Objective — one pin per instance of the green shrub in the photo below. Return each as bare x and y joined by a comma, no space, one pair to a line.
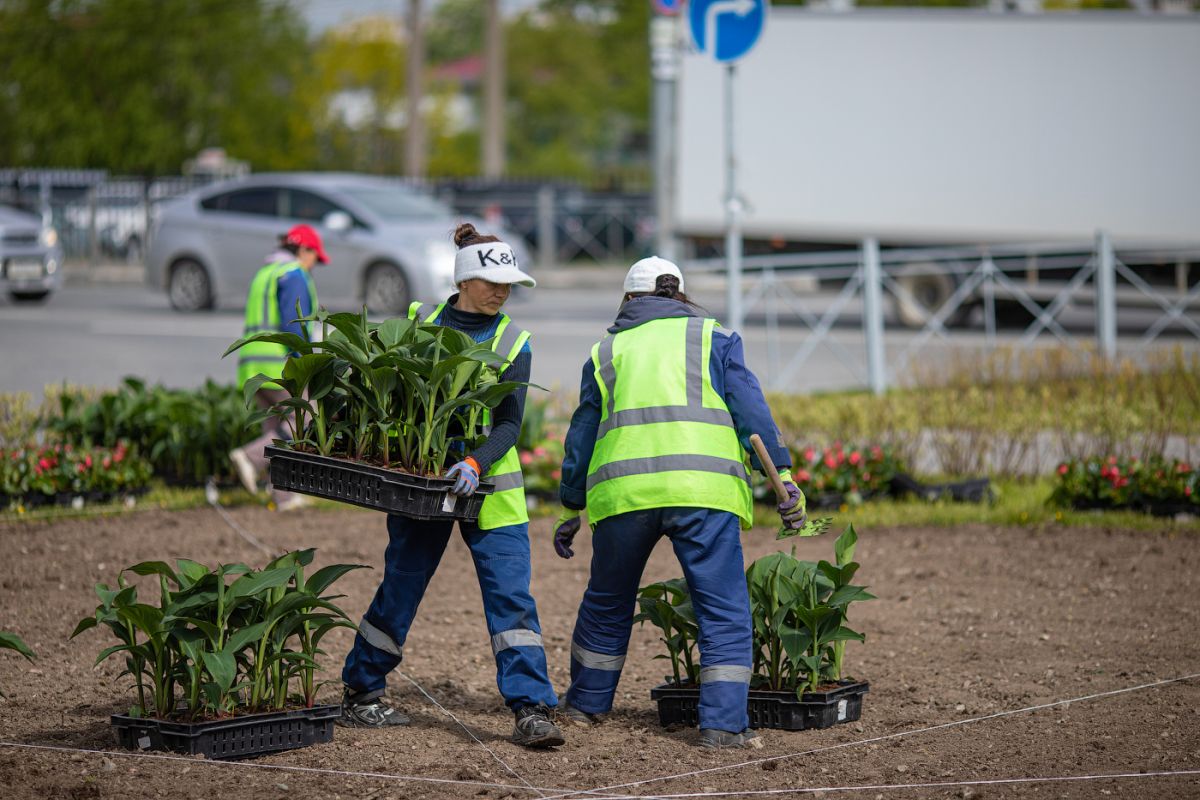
185,434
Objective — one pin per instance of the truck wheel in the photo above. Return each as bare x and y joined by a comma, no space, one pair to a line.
189,287
929,288
385,290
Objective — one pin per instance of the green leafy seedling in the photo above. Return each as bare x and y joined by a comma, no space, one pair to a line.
814,527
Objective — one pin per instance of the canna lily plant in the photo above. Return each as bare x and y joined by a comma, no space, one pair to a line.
668,606
798,610
398,393
230,640
10,641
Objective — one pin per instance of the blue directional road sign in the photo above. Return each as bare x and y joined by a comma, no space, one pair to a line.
669,7
726,29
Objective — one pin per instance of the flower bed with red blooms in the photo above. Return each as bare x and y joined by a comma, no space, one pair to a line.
541,466
1156,485
838,474
33,476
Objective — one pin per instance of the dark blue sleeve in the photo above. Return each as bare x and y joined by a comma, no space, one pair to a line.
734,381
291,289
509,414
580,441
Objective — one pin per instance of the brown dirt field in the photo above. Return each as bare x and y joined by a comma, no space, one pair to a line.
970,622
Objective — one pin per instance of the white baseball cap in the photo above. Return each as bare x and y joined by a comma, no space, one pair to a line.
490,261
643,275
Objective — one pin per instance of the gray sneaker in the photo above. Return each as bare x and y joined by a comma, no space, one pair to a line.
711,737
245,470
360,710
576,716
534,728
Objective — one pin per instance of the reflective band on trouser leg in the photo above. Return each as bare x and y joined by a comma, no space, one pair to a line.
594,678
379,639
517,637
725,673
594,660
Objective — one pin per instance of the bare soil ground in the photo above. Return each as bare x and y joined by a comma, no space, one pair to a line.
970,622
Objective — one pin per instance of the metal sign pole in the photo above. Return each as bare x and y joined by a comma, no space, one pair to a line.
664,68
733,215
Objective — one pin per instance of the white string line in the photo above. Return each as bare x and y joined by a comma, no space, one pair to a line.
213,497
936,785
886,737
254,765
471,733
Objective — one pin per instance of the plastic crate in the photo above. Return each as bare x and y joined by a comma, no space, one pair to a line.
235,737
768,709
372,487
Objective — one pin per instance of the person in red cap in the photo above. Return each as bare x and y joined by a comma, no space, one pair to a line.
281,294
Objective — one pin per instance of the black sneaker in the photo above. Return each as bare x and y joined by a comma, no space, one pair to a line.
534,728
367,710
711,737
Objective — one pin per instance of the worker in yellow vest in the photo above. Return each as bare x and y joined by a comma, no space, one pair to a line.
281,293
657,447
484,270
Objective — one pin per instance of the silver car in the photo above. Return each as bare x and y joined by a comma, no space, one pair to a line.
30,255
388,244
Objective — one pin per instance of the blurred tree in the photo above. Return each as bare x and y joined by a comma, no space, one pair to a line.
579,89
359,72
138,86
454,31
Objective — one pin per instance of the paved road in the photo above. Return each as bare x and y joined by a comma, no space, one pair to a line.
95,334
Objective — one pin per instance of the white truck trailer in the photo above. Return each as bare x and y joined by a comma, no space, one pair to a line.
953,128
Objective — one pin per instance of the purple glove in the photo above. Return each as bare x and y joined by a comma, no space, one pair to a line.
466,477
565,528
793,510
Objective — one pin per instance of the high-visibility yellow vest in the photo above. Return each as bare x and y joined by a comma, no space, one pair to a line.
666,437
263,314
506,504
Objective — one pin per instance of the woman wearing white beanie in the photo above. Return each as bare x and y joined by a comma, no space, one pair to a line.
484,270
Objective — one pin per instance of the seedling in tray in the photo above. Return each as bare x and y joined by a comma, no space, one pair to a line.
222,643
799,613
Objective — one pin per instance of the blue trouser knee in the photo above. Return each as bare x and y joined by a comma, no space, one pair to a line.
501,557
709,548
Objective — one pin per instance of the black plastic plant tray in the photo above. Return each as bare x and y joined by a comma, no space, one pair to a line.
372,487
769,709
235,737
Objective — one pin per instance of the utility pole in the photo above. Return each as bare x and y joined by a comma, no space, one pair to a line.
414,141
664,69
493,92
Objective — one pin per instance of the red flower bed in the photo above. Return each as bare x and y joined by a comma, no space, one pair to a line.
1154,485
844,474
34,475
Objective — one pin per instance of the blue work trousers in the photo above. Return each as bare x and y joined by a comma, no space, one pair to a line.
501,558
708,545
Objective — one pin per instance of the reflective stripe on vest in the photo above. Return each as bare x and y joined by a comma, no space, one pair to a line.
665,437
263,314
506,504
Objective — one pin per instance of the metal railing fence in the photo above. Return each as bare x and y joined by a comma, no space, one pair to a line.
931,290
